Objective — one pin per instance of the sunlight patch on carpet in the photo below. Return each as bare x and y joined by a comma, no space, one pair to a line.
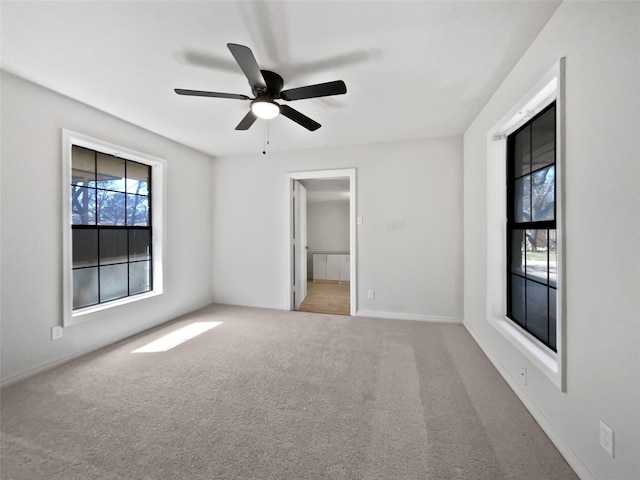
176,338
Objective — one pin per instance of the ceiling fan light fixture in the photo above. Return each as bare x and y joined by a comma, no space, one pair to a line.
265,108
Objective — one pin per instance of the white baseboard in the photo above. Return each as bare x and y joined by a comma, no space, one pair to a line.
23,375
569,455
408,316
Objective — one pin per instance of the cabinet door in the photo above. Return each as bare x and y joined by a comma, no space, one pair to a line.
345,268
319,266
333,267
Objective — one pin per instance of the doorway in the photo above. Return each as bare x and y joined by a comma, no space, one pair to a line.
331,280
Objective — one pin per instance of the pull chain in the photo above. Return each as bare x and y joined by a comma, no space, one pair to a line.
265,139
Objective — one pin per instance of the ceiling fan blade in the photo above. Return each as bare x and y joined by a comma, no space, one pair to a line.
246,60
201,93
247,121
299,118
337,87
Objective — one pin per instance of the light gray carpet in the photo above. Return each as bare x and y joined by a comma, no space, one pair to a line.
277,395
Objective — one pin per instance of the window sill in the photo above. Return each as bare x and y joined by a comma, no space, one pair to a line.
104,309
545,360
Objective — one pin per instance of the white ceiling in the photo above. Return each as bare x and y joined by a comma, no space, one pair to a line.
327,189
413,69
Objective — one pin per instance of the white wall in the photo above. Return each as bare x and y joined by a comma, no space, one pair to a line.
601,42
328,226
31,258
409,246
327,229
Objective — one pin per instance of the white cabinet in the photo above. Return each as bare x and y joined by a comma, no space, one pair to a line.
345,268
319,266
331,267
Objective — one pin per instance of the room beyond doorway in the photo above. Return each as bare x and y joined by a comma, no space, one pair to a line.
339,255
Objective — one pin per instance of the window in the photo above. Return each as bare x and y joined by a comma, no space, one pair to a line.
113,242
111,227
525,248
531,227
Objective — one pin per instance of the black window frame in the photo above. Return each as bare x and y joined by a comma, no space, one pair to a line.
99,228
549,225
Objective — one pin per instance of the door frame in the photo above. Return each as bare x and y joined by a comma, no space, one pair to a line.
349,173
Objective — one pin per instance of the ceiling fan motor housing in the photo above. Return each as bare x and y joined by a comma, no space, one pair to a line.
274,85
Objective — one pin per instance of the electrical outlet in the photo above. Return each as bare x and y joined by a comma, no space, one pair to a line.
606,438
56,332
523,375
371,294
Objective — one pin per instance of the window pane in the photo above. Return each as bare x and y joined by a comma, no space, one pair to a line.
552,318
139,245
139,277
110,172
137,211
522,200
517,251
531,211
111,208
85,247
537,252
553,259
113,246
544,190
83,206
85,287
522,157
517,299
537,310
111,234
138,178
83,166
113,282
543,133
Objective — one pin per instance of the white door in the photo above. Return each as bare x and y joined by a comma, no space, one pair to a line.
299,243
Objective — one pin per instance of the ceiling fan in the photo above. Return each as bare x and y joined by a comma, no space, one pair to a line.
266,87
